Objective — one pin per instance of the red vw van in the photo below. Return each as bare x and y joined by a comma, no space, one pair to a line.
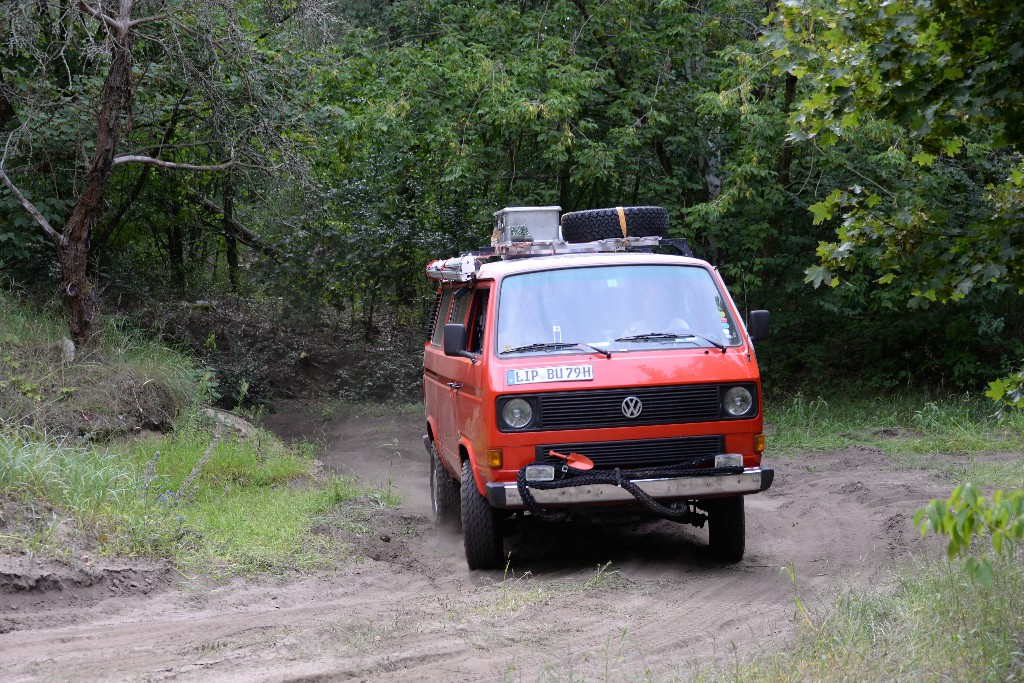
570,369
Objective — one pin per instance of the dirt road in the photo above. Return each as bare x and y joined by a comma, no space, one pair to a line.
583,602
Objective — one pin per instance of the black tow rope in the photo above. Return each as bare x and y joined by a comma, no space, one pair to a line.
622,479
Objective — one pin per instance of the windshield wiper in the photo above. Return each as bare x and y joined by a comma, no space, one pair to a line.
552,346
597,349
540,346
651,336
655,335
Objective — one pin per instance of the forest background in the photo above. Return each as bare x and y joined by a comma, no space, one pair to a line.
853,168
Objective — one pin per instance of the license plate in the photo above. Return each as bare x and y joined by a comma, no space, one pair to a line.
558,373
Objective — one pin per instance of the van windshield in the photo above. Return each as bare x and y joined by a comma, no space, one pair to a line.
623,307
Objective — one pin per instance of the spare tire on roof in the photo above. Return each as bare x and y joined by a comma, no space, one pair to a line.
600,224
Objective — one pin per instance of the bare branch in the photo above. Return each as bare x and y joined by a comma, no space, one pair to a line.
243,233
141,159
232,163
39,218
101,236
96,14
145,20
57,238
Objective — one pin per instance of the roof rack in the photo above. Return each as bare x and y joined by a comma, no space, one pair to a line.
464,267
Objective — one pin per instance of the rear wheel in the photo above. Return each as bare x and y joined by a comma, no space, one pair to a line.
481,531
726,528
444,492
600,224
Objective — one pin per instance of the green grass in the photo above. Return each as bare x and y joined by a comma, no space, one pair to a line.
69,486
97,489
261,460
913,423
252,530
937,625
120,382
250,507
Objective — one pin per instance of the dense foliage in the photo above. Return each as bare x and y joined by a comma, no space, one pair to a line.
360,139
943,79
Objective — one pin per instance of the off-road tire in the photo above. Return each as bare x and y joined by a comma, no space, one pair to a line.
599,224
481,531
444,492
726,528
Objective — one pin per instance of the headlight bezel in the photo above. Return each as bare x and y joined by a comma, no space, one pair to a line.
503,409
728,393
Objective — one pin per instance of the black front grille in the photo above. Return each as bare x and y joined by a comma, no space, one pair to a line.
603,408
642,453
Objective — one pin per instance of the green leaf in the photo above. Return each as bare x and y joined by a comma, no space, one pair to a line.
923,159
818,275
997,389
822,212
983,573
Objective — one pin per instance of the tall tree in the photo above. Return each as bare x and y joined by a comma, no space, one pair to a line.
220,96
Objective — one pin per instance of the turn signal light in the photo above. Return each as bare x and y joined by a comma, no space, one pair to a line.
493,457
759,443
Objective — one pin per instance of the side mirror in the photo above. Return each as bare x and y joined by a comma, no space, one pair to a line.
454,342
758,324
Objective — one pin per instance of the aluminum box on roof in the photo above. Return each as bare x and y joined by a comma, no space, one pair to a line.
515,224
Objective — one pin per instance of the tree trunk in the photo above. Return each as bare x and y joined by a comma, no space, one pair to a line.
786,158
81,300
229,231
7,112
771,245
564,176
176,251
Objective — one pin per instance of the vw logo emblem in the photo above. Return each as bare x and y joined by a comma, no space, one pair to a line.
632,407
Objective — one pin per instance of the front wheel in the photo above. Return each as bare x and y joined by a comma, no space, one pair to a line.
481,531
444,492
726,528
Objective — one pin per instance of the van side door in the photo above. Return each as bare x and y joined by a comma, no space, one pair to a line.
470,416
447,379
436,392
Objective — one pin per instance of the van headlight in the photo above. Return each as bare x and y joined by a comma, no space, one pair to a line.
517,413
737,401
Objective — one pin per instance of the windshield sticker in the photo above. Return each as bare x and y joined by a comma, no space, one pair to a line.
560,373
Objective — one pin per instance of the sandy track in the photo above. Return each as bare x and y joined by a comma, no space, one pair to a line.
661,606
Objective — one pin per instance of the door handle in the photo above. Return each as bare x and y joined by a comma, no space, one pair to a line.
454,386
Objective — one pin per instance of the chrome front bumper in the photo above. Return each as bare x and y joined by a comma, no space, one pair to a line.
751,480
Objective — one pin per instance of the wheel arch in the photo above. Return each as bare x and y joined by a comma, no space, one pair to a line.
431,430
466,452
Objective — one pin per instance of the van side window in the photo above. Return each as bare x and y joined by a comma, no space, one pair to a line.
478,319
432,320
460,306
441,317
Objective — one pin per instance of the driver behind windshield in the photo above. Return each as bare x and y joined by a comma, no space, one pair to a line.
521,320
656,315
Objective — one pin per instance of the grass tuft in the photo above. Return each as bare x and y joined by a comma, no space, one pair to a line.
118,384
938,625
97,491
216,506
909,423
